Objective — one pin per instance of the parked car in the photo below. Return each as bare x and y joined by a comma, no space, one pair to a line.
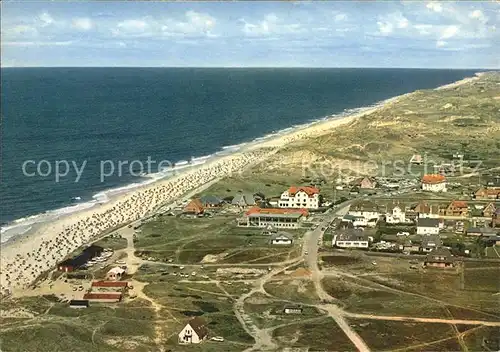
217,338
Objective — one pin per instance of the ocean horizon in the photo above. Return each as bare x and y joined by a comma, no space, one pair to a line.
181,115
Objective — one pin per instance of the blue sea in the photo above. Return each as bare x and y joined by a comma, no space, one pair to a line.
94,115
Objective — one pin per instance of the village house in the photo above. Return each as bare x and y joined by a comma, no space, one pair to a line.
365,183
430,242
350,238
416,159
366,209
426,210
279,218
395,215
489,210
115,274
427,226
79,303
282,238
243,199
195,331
211,201
300,197
457,208
487,193
292,310
194,207
434,183
357,221
439,258
409,247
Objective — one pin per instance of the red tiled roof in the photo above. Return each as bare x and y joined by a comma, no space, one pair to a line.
459,204
109,284
433,178
257,210
309,190
194,206
101,295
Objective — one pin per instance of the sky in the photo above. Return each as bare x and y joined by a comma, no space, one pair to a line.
251,34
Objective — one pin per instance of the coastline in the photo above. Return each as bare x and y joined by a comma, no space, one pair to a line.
462,81
26,256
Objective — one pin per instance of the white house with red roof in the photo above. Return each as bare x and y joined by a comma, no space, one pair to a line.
300,197
434,183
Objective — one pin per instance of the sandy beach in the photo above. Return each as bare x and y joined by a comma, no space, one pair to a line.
462,81
24,258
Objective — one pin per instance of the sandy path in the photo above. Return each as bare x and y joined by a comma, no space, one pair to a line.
311,243
133,263
422,320
263,337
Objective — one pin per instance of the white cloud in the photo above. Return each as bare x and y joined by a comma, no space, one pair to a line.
440,43
479,16
131,27
340,17
434,6
389,23
193,24
196,23
449,32
83,24
46,19
385,27
270,25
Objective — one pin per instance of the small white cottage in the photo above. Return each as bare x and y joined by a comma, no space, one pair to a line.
282,238
195,331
